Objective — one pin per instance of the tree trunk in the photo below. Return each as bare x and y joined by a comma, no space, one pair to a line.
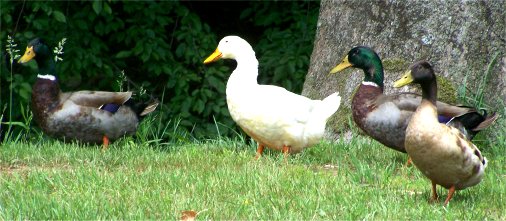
464,40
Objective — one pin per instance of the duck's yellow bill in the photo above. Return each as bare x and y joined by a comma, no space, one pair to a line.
406,79
29,55
343,65
216,55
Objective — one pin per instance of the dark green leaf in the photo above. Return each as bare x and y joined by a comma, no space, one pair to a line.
7,18
107,8
123,54
97,6
59,16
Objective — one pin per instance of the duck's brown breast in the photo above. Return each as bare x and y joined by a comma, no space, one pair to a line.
45,100
383,122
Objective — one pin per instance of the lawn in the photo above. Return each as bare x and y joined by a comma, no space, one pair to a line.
354,179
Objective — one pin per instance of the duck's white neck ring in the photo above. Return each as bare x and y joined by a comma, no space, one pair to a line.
369,83
47,76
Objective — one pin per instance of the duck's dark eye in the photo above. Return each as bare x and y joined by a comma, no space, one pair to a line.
355,53
226,41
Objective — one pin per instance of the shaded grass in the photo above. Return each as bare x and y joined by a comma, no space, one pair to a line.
359,179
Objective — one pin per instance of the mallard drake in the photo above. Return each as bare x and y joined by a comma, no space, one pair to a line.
441,152
385,117
271,115
88,116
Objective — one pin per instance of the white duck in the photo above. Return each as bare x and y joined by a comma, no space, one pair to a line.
271,115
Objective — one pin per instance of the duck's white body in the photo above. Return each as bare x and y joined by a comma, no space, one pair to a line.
271,115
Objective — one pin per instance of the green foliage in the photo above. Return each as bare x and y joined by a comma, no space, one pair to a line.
160,47
476,98
285,46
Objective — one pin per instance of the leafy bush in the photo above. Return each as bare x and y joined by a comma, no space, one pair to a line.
160,47
285,47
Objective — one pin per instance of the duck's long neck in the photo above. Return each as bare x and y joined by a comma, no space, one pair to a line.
374,73
46,66
246,72
429,91
45,98
46,91
426,113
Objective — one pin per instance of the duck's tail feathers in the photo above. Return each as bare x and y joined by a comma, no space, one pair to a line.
328,106
487,122
142,109
484,162
473,122
149,108
320,114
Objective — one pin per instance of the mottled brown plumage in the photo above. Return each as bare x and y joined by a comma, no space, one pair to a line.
42,106
367,100
79,115
440,152
385,117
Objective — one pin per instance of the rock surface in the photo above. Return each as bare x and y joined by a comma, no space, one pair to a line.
464,40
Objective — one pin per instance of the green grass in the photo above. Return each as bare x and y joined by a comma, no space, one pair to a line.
358,179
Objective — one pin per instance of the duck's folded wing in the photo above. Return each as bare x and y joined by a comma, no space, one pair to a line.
283,104
96,98
403,101
449,110
465,146
286,104
410,101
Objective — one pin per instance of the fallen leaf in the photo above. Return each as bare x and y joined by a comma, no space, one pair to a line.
188,215
330,167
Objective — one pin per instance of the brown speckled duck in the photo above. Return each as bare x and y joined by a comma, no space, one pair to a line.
441,152
88,116
385,117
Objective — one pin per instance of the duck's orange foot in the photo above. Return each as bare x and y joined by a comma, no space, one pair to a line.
409,162
105,141
286,150
260,150
435,197
450,195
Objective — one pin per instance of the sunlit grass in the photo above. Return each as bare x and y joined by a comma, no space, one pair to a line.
356,179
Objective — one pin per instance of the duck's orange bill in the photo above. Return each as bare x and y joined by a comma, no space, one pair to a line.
406,79
216,55
343,65
29,55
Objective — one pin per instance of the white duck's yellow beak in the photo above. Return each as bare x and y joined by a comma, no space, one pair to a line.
216,55
29,55
343,65
406,79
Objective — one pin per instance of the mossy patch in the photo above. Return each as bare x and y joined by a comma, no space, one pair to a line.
395,64
446,91
341,121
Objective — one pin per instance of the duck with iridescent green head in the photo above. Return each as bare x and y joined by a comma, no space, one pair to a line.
88,116
384,117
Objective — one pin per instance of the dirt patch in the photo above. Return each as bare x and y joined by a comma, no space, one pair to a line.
21,168
327,168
